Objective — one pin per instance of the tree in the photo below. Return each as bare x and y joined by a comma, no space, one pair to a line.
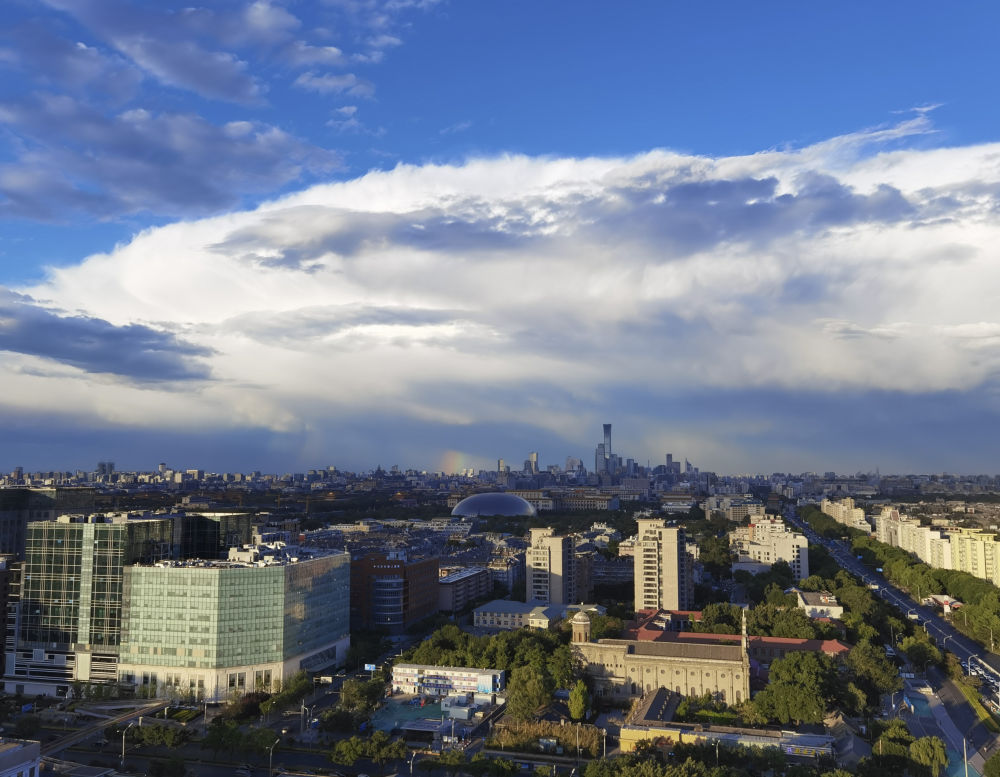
223,735
451,761
528,690
992,766
720,618
921,652
785,703
258,740
579,701
799,686
873,671
929,752
347,751
380,749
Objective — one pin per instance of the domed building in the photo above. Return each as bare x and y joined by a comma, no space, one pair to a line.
493,503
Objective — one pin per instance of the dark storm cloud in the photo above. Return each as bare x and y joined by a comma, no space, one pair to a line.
94,345
676,217
690,216
80,159
461,228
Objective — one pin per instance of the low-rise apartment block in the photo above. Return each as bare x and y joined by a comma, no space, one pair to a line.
463,587
819,604
446,680
769,540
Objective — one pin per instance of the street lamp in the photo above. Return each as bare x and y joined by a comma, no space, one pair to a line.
413,757
270,757
604,734
123,741
304,716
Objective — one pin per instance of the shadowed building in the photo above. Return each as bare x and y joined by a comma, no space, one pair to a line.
19,506
391,593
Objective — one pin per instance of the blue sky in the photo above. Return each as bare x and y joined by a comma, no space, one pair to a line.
289,234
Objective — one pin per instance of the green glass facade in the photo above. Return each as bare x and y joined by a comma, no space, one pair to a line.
203,617
186,625
66,622
71,586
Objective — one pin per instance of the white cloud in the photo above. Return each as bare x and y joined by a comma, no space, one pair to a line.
335,83
461,126
439,287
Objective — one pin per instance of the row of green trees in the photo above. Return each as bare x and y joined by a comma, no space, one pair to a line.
980,615
379,748
225,735
357,701
537,662
896,753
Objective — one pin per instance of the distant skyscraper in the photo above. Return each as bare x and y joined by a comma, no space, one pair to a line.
604,460
533,461
501,466
600,461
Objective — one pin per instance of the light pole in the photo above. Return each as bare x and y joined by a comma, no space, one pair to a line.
604,734
578,741
123,741
270,757
304,716
413,757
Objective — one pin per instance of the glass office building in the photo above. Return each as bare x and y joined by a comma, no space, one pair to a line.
65,615
211,629
64,620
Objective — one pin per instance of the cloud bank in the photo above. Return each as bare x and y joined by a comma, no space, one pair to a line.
663,291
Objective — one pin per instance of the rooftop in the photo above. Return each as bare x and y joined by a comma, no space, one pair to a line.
454,577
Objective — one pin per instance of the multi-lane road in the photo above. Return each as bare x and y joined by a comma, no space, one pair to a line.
973,656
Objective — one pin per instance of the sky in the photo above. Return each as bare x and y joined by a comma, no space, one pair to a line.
283,235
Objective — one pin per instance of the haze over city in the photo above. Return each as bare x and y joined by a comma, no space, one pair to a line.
278,236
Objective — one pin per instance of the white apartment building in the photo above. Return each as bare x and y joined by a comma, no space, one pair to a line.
735,508
555,573
663,567
846,512
976,552
931,545
769,540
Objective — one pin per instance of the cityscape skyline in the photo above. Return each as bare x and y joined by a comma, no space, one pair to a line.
263,235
